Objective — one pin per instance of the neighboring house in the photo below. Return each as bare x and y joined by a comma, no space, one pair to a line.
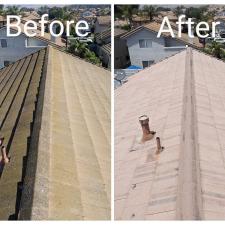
139,20
121,54
2,21
145,48
55,117
103,47
183,96
220,27
14,48
104,54
103,37
102,23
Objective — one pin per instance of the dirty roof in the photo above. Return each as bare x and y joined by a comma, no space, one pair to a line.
18,88
155,26
186,107
66,172
104,35
104,20
107,48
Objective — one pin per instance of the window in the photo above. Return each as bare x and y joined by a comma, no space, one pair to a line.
3,43
147,63
145,43
6,63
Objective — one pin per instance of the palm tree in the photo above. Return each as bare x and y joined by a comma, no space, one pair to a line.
151,11
178,10
81,50
216,49
77,48
127,11
12,10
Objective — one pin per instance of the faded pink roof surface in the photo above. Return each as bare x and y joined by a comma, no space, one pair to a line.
184,97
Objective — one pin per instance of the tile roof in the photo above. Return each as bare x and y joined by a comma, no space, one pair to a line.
103,35
185,105
104,20
66,168
155,26
119,32
18,89
107,48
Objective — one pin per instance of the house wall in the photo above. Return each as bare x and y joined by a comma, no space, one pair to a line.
99,28
157,52
121,54
16,49
221,26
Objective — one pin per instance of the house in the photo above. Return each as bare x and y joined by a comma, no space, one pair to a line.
121,54
145,48
104,54
139,20
2,21
55,117
181,98
220,27
103,37
102,23
14,48
103,47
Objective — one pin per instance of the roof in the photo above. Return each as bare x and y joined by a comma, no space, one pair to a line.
154,27
31,16
185,106
104,35
18,90
119,32
104,20
2,18
107,48
65,169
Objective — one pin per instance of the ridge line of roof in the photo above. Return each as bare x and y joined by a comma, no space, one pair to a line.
188,203
34,200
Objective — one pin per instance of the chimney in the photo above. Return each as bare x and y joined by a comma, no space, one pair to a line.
159,147
147,133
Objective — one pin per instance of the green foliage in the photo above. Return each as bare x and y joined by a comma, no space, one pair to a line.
215,49
126,11
178,10
126,27
151,11
12,10
81,49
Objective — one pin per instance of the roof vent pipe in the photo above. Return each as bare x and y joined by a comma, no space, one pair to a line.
147,133
5,158
159,147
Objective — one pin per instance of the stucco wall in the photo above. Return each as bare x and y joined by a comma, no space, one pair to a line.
120,54
157,52
16,47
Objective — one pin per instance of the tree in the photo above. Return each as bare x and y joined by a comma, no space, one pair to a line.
126,11
216,49
151,11
81,50
12,10
43,10
178,10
